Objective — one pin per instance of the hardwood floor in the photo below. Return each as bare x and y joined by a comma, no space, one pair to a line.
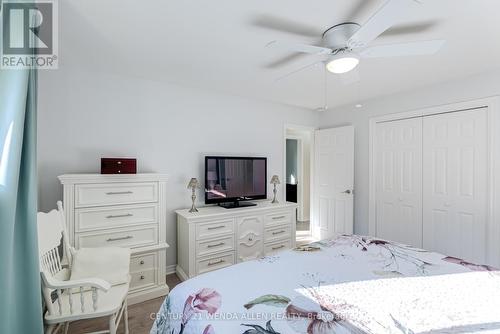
139,316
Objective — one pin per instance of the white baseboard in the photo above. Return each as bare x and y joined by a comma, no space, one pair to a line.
181,274
170,269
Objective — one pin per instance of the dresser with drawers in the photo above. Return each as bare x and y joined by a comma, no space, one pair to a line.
215,237
125,211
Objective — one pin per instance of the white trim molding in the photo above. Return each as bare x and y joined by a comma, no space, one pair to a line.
311,131
170,269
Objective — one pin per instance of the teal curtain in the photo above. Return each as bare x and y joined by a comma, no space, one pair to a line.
20,297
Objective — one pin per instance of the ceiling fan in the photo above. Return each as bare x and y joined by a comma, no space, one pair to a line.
343,45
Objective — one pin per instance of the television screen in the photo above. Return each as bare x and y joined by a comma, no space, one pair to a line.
230,179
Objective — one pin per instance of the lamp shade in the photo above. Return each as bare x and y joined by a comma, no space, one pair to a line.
275,179
193,183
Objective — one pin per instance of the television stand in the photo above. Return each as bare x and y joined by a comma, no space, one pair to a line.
270,226
236,204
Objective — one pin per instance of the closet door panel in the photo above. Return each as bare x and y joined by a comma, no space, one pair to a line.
455,186
399,181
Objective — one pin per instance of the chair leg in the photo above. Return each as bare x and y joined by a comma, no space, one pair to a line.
125,315
112,324
50,329
66,327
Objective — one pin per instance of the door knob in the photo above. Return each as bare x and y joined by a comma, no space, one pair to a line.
348,191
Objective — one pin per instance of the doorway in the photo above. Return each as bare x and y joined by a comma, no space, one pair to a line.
298,176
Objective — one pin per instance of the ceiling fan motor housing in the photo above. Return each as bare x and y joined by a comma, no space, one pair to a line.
336,37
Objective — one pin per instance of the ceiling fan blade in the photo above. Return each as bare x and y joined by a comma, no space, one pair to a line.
358,10
405,29
286,25
297,47
384,18
403,49
298,70
284,60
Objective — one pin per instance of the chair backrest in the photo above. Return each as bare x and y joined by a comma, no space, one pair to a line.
51,231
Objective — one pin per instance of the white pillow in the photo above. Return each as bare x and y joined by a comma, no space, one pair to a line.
111,264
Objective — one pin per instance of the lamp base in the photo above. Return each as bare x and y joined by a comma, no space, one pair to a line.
193,207
275,199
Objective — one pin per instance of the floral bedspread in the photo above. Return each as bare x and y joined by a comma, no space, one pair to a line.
349,284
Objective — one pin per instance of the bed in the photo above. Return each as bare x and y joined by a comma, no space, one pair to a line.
348,284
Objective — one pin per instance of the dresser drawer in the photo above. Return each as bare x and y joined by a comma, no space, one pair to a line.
115,193
214,228
281,218
249,239
276,247
205,247
120,237
144,261
142,279
277,233
116,216
214,262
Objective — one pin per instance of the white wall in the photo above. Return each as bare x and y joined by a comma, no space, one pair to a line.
84,116
471,88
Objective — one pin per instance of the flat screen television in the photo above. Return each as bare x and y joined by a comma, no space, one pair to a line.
229,181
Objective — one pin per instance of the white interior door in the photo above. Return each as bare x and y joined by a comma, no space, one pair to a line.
455,188
398,166
334,182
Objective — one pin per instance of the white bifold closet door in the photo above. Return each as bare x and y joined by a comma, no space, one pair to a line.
431,182
398,158
455,189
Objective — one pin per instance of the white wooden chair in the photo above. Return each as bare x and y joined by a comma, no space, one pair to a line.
69,300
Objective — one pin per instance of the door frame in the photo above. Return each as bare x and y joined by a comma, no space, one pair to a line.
300,190
300,172
493,109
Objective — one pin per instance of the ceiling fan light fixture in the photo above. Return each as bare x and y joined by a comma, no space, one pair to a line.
343,63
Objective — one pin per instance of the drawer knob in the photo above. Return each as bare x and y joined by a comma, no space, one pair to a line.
119,192
216,262
120,238
119,216
142,262
250,239
278,247
279,217
279,232
142,277
215,227
216,245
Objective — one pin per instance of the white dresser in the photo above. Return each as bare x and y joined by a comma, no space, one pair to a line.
215,237
125,211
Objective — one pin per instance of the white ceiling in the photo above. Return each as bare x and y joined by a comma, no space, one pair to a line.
217,45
